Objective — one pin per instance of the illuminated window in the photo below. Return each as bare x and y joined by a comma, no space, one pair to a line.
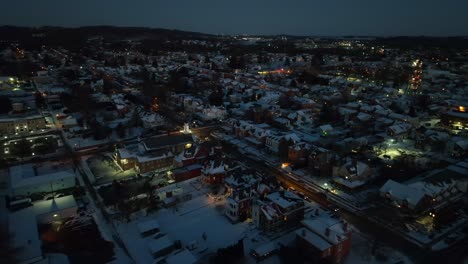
188,145
124,161
461,109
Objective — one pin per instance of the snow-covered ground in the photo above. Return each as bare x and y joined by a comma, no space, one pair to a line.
361,252
186,222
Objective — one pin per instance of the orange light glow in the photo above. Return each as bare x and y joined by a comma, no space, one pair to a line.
461,109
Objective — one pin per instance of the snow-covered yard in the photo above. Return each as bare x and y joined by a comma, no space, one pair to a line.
361,252
186,222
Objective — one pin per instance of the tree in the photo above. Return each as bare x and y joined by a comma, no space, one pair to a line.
107,86
7,251
135,120
22,148
39,99
423,101
328,113
283,148
412,112
121,130
229,255
100,131
41,149
284,101
216,98
5,104
237,62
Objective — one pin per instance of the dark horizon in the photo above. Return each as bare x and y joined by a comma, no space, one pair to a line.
237,35
303,18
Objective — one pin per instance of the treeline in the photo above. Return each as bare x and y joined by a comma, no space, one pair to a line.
74,38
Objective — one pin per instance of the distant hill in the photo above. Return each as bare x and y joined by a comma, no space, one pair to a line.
70,37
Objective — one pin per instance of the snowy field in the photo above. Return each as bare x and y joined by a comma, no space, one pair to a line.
186,222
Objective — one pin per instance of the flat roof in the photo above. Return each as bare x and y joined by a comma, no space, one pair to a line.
23,224
147,226
183,256
167,140
24,175
313,239
157,245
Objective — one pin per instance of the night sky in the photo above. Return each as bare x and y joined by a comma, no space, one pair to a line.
298,17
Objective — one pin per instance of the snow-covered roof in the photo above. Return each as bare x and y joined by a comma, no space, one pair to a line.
326,128
23,224
264,249
148,225
183,256
402,192
313,239
330,229
157,245
21,176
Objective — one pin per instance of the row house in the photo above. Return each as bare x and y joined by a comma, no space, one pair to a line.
298,153
324,239
321,161
242,188
278,211
214,172
420,197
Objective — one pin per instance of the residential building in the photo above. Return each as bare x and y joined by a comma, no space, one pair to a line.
324,239
278,211
241,188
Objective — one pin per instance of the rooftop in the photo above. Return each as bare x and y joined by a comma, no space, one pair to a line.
163,141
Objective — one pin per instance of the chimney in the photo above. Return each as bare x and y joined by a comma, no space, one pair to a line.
327,231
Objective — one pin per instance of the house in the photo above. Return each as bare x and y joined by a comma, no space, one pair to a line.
399,131
460,149
193,154
457,117
421,196
326,130
323,238
277,211
241,188
298,153
272,143
214,172
352,173
322,161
